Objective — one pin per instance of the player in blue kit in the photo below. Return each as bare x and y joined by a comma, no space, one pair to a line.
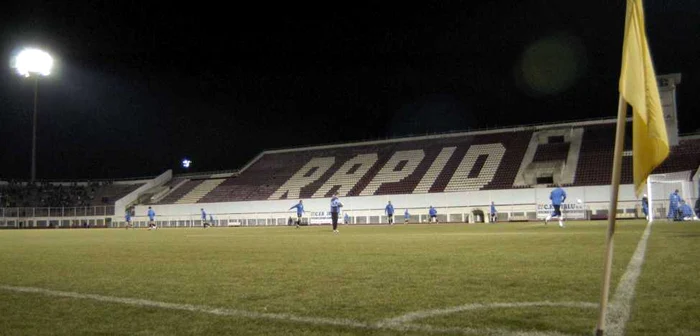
300,212
432,212
151,219
558,196
204,219
674,201
127,217
389,211
645,206
336,204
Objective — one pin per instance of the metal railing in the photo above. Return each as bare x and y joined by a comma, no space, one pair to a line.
103,216
85,211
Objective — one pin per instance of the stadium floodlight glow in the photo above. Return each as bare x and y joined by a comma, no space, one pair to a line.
32,61
186,163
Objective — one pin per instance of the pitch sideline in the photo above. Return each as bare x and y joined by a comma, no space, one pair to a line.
620,306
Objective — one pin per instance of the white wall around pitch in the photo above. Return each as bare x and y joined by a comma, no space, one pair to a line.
595,197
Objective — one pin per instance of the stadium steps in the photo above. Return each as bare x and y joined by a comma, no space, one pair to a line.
160,192
200,191
173,191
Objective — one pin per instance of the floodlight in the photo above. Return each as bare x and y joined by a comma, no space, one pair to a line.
28,62
33,61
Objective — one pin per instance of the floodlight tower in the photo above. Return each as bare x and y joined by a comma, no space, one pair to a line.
34,63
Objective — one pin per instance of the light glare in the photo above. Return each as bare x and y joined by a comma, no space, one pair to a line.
33,61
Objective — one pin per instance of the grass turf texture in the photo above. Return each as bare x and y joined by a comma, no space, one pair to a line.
365,274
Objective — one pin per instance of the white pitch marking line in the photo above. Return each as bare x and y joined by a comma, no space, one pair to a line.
466,331
188,307
621,304
618,310
282,317
475,306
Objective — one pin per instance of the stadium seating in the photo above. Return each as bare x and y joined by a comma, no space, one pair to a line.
181,191
683,157
64,194
109,193
596,157
455,162
551,152
379,169
484,160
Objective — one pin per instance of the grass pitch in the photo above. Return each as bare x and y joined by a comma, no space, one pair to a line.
524,278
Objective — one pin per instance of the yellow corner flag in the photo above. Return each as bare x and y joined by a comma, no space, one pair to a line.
638,87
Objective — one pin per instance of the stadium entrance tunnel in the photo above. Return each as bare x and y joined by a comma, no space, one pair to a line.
478,216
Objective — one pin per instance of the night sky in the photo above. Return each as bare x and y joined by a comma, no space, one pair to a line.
140,86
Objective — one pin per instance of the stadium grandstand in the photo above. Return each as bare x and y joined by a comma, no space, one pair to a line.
459,174
62,203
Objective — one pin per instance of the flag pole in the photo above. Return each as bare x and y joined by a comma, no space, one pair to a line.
612,210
